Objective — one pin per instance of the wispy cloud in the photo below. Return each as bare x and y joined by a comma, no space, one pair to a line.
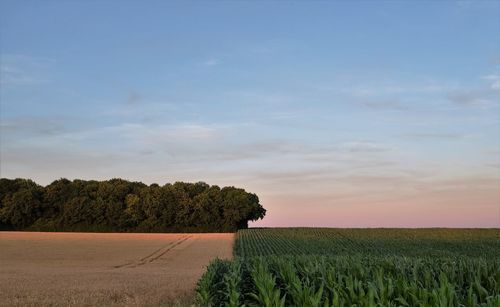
364,147
30,126
494,165
393,88
21,70
484,98
211,62
495,81
154,134
439,136
133,98
384,105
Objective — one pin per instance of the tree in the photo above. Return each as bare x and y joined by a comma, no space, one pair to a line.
21,206
120,205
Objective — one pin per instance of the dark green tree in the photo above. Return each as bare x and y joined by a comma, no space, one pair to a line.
120,205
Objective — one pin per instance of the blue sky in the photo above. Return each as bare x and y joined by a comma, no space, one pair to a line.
343,113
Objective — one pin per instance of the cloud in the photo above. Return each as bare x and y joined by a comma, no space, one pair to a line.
442,136
495,81
493,165
133,134
211,62
10,75
191,131
384,105
133,98
60,152
376,89
32,161
22,70
38,133
176,146
471,182
367,147
30,126
478,98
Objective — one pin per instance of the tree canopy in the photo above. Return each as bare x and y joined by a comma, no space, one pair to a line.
119,205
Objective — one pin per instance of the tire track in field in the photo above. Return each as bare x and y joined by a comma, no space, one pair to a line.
155,255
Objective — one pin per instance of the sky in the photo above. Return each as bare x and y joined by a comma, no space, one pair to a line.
336,114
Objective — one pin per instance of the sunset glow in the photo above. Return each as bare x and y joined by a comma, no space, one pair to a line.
336,114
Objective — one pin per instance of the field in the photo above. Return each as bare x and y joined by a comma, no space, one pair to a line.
357,267
382,242
104,269
272,267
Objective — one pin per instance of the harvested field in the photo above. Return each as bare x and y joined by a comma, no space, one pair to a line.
106,269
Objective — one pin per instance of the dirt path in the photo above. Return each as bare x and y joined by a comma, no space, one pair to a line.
89,269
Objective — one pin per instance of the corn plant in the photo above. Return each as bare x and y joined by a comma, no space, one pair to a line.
265,283
352,267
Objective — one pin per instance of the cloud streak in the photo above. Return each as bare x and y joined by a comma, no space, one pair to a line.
475,98
24,70
211,62
495,81
436,136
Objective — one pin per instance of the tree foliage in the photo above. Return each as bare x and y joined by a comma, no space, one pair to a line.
124,206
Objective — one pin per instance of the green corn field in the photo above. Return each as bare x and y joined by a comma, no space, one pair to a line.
357,267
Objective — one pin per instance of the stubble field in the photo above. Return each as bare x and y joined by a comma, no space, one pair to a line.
104,269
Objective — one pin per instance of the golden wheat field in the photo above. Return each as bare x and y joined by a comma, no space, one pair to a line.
104,269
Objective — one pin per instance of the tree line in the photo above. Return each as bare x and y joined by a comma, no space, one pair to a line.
119,205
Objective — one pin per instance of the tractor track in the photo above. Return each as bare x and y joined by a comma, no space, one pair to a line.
154,255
